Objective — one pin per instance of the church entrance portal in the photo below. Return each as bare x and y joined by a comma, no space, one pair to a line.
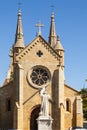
34,116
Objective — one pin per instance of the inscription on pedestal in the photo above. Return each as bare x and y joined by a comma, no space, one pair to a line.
44,123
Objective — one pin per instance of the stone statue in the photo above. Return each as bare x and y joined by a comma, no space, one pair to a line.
44,102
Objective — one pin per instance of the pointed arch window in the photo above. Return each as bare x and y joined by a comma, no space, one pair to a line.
8,104
68,105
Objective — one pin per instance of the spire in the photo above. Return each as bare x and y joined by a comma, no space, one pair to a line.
19,37
52,34
60,50
58,45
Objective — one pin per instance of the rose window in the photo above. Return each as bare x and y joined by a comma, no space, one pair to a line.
39,76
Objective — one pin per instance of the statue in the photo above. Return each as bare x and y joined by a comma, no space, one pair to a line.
44,102
44,120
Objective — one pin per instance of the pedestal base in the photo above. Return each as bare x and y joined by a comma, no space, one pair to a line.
44,123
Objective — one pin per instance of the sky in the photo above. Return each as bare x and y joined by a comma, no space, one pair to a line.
71,26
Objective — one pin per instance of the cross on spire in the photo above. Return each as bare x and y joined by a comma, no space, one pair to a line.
19,4
39,25
52,7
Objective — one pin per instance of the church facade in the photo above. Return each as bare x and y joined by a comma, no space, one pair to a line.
39,64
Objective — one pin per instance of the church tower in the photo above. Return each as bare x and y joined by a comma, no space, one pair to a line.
18,46
58,77
57,46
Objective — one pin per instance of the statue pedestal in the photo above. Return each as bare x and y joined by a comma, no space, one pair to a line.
44,123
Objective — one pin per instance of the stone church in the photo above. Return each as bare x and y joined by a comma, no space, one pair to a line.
32,67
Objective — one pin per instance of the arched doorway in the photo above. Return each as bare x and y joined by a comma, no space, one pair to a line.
34,116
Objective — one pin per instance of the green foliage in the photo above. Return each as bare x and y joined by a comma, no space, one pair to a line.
83,92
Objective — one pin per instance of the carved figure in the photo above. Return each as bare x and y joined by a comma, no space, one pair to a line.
44,102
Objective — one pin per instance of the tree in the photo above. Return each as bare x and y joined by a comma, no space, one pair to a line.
83,93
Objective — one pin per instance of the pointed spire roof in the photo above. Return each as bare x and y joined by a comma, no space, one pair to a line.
52,34
19,37
58,45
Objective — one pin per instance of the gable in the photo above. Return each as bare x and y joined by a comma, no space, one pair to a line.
69,92
38,47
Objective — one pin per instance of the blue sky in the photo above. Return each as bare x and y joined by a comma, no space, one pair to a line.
71,26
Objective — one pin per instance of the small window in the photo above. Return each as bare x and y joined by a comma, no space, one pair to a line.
68,105
8,105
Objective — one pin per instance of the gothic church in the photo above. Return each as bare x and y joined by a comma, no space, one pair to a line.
32,67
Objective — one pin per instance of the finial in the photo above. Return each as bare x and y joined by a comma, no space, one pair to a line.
19,5
58,38
39,25
52,8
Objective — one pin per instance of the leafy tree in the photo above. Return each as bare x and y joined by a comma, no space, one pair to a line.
83,93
